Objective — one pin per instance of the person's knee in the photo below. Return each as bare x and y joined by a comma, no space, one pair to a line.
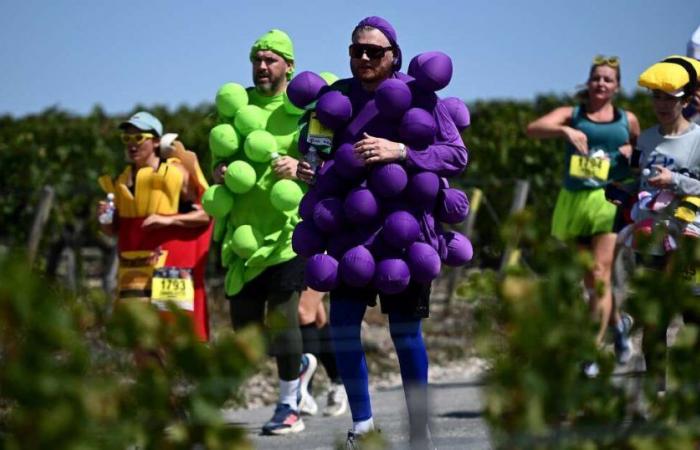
307,313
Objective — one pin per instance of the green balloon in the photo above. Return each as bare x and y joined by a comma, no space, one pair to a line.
260,145
217,201
290,108
223,141
329,77
250,118
285,195
230,98
240,177
245,241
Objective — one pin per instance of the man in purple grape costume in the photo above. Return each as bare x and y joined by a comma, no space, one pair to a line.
404,231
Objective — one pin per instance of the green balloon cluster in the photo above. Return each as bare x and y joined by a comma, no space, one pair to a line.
223,141
260,145
240,177
246,241
285,195
230,98
217,201
250,118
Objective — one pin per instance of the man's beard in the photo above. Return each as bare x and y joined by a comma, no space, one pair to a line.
268,87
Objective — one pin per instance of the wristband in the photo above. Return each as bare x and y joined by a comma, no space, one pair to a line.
402,151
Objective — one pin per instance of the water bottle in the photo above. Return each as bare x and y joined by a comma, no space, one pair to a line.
313,159
107,217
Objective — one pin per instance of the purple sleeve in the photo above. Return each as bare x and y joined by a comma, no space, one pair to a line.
447,157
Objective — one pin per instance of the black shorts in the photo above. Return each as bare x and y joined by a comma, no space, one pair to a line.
414,301
284,277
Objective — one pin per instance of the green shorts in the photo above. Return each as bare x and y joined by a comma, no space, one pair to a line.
582,214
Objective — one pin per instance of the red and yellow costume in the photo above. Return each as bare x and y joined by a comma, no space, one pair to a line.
179,252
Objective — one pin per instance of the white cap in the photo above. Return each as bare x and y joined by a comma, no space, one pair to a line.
694,45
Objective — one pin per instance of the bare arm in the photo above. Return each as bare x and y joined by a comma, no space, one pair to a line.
556,125
195,218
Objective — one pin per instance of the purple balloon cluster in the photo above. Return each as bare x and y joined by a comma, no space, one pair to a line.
371,226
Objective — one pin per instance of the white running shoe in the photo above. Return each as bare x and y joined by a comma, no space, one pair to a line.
337,401
307,404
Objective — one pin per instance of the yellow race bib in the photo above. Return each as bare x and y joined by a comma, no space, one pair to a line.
173,286
584,167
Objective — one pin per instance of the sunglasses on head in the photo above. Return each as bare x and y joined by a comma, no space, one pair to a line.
612,61
136,138
372,51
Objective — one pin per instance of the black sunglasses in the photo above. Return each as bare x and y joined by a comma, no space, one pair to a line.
372,51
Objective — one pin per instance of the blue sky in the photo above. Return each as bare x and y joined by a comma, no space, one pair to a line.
78,53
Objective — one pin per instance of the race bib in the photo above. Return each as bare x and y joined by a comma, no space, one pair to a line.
318,134
172,286
584,167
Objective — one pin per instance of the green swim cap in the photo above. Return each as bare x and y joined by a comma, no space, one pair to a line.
223,141
217,201
285,195
260,145
329,77
277,41
245,241
230,98
240,177
250,118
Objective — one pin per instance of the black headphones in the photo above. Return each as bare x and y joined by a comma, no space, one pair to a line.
692,73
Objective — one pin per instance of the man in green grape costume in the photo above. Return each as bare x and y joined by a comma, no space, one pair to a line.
255,206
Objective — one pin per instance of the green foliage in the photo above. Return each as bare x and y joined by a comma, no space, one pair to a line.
73,377
535,328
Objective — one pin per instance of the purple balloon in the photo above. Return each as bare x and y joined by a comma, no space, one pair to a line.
422,189
357,266
422,98
333,110
432,70
452,206
401,229
328,215
392,276
304,89
347,164
329,183
308,240
458,111
417,128
361,206
393,98
388,180
321,273
339,244
423,261
308,203
459,249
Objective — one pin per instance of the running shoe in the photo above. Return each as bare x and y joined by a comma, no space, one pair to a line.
591,369
284,421
622,340
336,402
307,404
353,441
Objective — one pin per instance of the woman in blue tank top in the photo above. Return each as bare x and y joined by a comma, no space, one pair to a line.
599,140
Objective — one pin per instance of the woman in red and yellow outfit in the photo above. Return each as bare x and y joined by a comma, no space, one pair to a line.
163,232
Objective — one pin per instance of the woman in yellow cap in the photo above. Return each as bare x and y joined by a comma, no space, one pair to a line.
670,163
598,141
